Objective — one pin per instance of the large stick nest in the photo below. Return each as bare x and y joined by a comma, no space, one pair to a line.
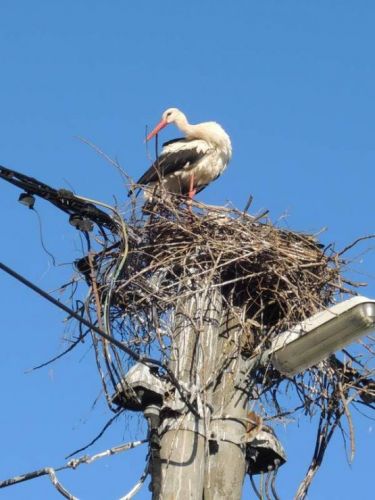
277,277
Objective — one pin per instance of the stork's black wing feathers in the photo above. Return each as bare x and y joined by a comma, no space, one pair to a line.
172,141
171,161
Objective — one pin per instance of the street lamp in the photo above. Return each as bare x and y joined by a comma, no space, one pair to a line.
312,340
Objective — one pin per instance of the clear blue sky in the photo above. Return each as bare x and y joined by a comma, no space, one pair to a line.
291,81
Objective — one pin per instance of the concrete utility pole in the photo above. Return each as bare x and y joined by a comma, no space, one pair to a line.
204,456
201,449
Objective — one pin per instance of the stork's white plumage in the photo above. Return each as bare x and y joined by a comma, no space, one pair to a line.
187,165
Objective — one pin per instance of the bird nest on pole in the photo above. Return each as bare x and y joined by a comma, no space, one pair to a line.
271,278
268,278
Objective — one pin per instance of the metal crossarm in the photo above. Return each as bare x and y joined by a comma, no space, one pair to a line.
63,199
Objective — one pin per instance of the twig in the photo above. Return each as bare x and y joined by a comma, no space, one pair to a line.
122,172
110,421
355,242
70,348
248,204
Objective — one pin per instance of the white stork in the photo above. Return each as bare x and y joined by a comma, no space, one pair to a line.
187,165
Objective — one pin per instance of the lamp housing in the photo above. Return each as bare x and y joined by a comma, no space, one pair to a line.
312,340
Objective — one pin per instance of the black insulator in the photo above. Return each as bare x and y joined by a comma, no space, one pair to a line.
86,225
81,223
75,220
27,199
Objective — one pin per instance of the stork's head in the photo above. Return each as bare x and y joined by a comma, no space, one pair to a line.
170,115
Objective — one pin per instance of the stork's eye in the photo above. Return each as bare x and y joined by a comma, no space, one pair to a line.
169,113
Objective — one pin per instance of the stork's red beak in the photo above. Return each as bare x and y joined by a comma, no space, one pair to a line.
159,126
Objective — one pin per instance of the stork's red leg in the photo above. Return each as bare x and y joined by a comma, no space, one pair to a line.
192,190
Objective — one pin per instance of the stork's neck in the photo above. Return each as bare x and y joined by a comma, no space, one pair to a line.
210,132
182,123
